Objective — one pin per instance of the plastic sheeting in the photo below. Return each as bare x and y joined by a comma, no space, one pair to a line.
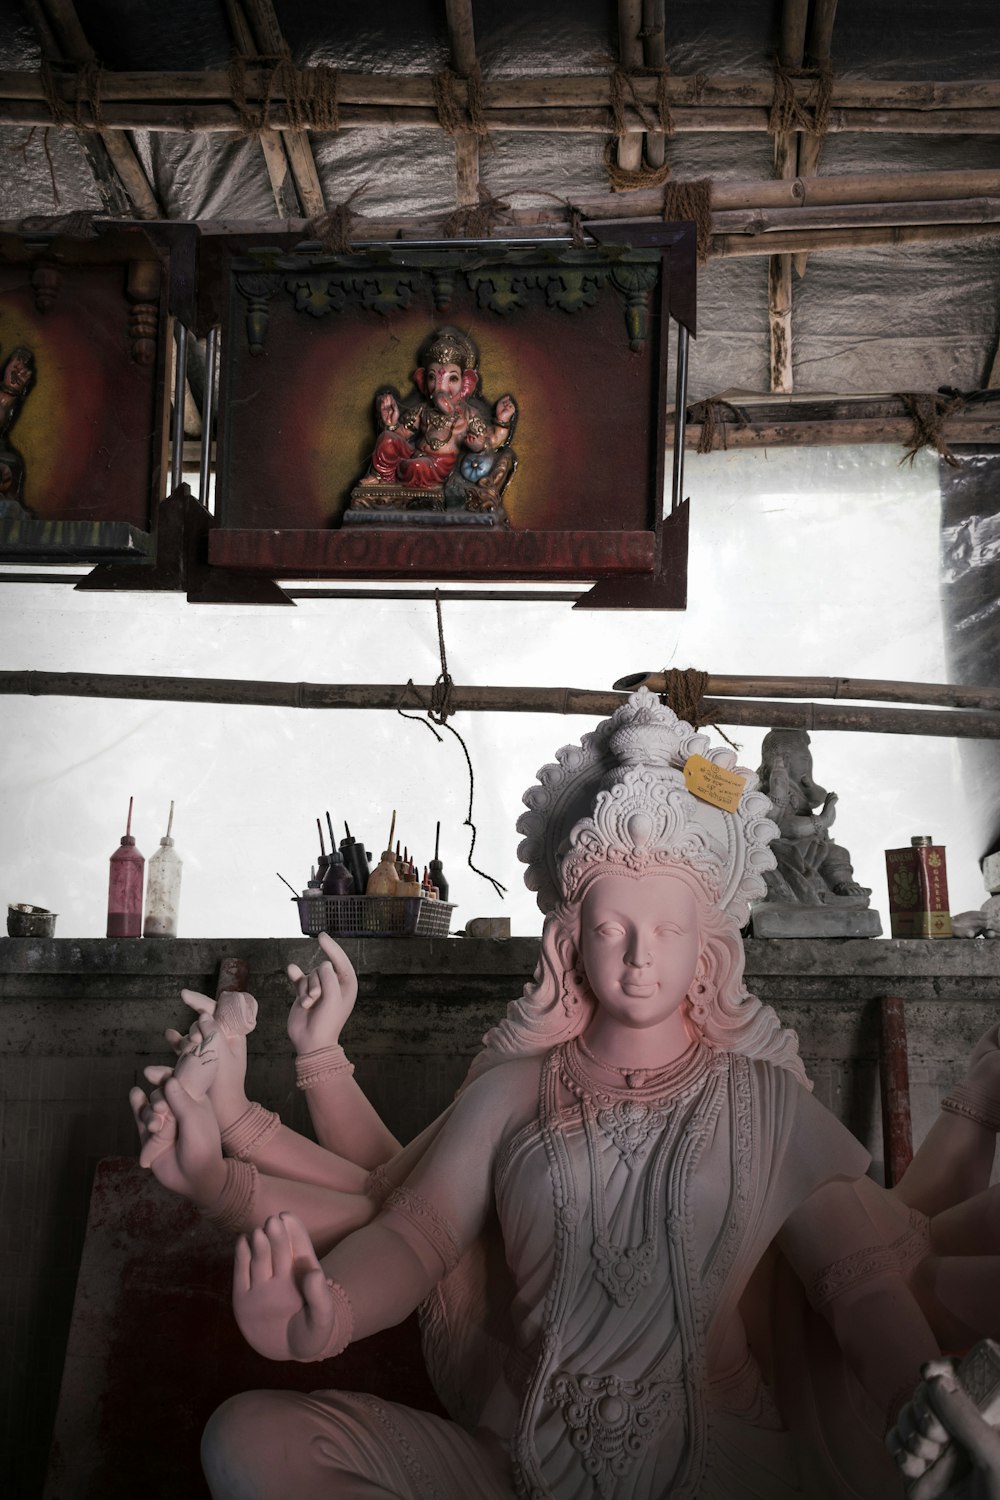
903,319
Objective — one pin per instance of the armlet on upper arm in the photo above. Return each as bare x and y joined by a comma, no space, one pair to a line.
432,1227
873,1263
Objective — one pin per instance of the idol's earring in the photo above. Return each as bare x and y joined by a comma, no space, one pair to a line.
572,992
701,996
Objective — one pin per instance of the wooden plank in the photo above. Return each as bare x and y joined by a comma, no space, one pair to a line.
432,552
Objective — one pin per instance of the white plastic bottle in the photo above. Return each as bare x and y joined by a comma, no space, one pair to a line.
163,887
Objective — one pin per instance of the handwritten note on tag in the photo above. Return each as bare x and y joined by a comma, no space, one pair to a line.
712,784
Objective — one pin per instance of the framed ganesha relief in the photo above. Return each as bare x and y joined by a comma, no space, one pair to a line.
419,412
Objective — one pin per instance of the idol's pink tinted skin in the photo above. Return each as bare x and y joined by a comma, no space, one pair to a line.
639,945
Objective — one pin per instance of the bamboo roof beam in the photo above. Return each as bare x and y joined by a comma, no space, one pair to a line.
462,37
629,148
119,176
794,16
819,433
206,117
819,43
573,92
286,200
654,51
727,246
267,34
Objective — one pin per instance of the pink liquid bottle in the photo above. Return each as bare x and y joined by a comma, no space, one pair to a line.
125,886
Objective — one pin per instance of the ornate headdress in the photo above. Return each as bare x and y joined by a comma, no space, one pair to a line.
448,346
619,800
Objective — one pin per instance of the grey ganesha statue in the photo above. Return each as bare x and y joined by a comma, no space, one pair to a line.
812,891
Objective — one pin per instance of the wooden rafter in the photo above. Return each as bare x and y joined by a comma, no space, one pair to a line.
271,143
630,57
819,44
462,37
794,19
121,181
152,100
269,39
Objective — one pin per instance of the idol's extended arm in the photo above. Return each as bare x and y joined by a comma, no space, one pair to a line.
853,1278
180,1142
942,1444
214,1063
291,1306
956,1158
343,1118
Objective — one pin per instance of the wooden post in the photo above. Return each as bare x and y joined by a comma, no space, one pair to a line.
654,47
818,47
786,165
894,1085
461,32
630,56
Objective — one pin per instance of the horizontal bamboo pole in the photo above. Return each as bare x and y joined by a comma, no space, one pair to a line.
186,115
590,90
729,246
813,716
753,221
818,433
873,689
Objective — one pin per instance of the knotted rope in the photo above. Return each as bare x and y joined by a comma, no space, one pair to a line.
475,221
622,89
438,712
713,422
684,692
333,229
789,112
928,415
691,200
87,77
451,117
310,94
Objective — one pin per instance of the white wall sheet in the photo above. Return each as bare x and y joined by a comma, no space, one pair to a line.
803,562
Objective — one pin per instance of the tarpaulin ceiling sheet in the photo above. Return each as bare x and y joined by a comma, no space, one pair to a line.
907,318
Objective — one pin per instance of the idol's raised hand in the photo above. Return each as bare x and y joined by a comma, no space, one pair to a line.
281,1298
324,998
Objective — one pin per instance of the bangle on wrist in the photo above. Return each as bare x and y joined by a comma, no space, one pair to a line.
233,1208
343,1321
252,1131
315,1067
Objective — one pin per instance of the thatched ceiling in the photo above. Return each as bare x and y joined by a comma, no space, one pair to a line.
901,287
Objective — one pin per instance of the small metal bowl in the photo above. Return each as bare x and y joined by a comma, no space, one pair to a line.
25,921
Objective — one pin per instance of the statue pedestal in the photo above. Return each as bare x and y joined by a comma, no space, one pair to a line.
784,919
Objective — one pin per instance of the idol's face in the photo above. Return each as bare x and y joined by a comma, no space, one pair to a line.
639,944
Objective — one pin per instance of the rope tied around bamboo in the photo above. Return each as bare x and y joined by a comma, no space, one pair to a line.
451,116
691,199
790,113
929,413
476,221
713,423
333,229
622,89
87,78
309,94
684,692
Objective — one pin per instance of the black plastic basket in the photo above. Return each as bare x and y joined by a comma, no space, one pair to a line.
369,916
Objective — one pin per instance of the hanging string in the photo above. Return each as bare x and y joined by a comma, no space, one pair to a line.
333,229
476,221
710,414
438,711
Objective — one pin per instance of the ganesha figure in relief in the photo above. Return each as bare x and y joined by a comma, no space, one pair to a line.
444,450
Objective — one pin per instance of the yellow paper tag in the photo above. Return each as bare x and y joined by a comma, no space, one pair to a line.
713,784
